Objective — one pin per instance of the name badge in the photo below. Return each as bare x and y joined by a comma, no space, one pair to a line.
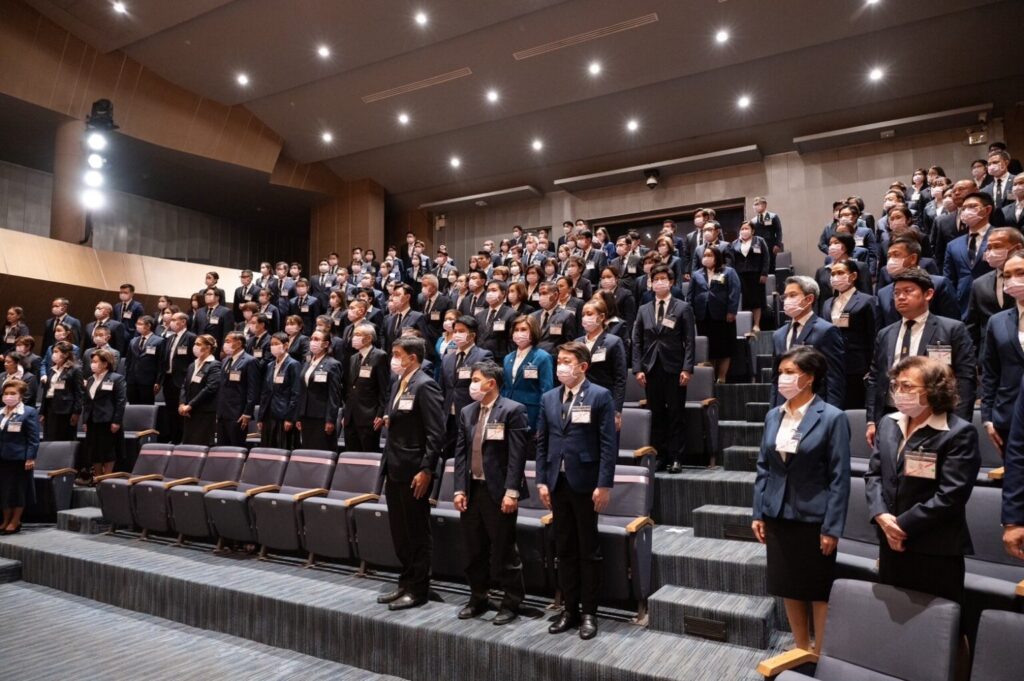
465,374
535,296
405,403
197,377
107,385
555,330
320,377
499,325
215,321
304,308
718,279
756,250
580,414
790,445
248,299
942,354
181,350
531,373
590,264
477,310
14,426
151,350
127,314
495,431
58,385
279,380
435,316
859,241
599,355
235,376
668,323
258,354
579,293
365,371
844,320
920,465
631,269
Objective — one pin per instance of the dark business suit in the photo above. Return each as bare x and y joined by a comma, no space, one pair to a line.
1002,368
561,327
74,326
308,308
239,392
768,226
320,286
393,327
273,315
202,383
945,228
65,403
173,364
432,324
1010,216
823,277
1001,196
983,304
118,334
594,261
927,264
488,534
11,335
99,413
826,339
608,366
960,271
944,302
19,442
319,402
415,418
142,368
1013,460
494,327
259,348
454,386
127,314
217,322
588,450
930,511
948,334
278,403
243,294
367,386
662,351
471,304
858,323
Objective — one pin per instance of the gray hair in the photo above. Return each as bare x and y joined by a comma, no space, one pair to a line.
367,330
806,284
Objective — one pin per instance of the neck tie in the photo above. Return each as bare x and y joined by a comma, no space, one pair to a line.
398,323
999,191
459,359
477,462
544,319
972,249
905,348
227,366
999,289
566,401
490,317
661,311
796,332
426,308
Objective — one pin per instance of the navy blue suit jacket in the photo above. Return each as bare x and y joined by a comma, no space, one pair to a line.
825,338
944,302
504,460
238,397
279,401
1013,462
589,450
24,444
610,372
957,268
859,332
1002,368
528,391
456,390
715,300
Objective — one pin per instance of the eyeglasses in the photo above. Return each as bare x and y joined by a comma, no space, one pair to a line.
904,387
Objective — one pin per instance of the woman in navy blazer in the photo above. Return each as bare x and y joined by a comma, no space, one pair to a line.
607,366
279,398
801,492
14,368
715,296
103,402
198,401
19,444
535,374
62,396
855,314
750,259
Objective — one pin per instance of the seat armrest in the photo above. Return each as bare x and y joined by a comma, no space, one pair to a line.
317,492
1020,588
996,473
60,471
642,403
644,451
361,499
261,489
180,481
638,524
110,476
219,485
143,478
709,402
547,519
790,659
144,433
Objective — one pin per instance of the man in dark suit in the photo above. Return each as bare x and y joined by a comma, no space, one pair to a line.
1013,210
806,328
949,225
987,295
258,344
965,256
576,454
594,259
143,363
1013,483
415,420
556,326
305,306
267,308
663,356
246,293
212,280
768,226
402,315
432,306
905,253
495,322
174,363
127,310
474,300
213,319
239,392
367,382
456,374
490,457
566,231
1000,189
919,333
322,282
319,399
59,309
104,318
627,263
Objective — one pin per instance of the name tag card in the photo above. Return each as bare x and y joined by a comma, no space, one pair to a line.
279,380
844,320
107,385
435,316
920,465
127,314
756,250
499,325
859,241
215,321
555,330
942,354
248,299
790,445
631,269
590,264
718,279
579,293
151,350
495,431
258,354
235,376
197,377
465,374
365,371
320,377
531,373
599,355
405,403
14,426
580,414
304,309
58,385
668,323
181,350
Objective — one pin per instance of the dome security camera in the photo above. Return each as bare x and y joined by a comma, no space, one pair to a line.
651,178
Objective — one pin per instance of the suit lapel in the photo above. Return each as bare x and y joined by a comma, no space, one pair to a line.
926,336
1012,326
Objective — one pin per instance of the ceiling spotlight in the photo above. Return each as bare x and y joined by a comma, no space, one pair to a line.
119,7
537,145
872,2
323,51
96,141
327,137
421,18
403,118
722,36
93,178
594,68
743,102
242,79
455,161
492,96
632,125
93,199
876,74
95,161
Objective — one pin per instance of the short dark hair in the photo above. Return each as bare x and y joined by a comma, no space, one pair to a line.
216,277
808,360
912,245
915,275
411,346
146,321
939,381
490,369
847,241
130,287
468,322
577,350
663,269
985,198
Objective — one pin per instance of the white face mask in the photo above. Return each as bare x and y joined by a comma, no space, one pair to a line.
793,307
291,329
324,268
352,315
397,367
460,338
196,351
521,338
566,374
661,287
846,220
607,284
1014,288
315,346
840,282
995,257
476,391
357,342
99,314
970,216
908,404
590,322
894,266
835,251
448,324
789,385
277,350
708,262
12,400
493,297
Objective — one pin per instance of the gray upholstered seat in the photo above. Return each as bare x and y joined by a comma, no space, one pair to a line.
626,533
990,457
860,452
997,651
139,428
449,560
858,547
327,521
535,552
701,415
54,479
635,439
114,489
149,496
222,466
228,509
992,575
277,515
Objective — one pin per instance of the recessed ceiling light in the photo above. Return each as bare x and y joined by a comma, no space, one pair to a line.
421,18
403,118
537,145
242,79
120,8
455,161
93,199
743,102
722,36
96,141
876,74
872,2
95,161
632,125
492,96
93,178
323,51
327,137
594,68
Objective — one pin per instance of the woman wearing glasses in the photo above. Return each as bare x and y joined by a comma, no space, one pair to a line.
920,476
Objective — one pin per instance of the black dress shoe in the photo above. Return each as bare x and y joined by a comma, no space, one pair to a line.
391,596
473,609
588,627
564,623
407,601
504,616
675,468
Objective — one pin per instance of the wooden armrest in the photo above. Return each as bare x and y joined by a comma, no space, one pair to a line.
261,489
219,485
638,524
144,433
547,519
61,471
644,451
361,499
704,364
708,402
142,478
317,492
1020,588
642,403
180,481
110,476
774,666
996,473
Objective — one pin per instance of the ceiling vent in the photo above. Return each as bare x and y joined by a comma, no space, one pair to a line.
418,85
581,38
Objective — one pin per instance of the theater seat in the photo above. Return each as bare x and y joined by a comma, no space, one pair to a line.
860,451
114,489
858,547
626,533
449,557
992,575
991,459
149,494
54,480
635,439
877,632
277,514
327,527
221,467
701,417
532,539
139,427
636,396
700,349
997,651
227,504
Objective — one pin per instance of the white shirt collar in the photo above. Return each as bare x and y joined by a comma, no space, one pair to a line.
935,421
918,321
806,318
787,410
20,409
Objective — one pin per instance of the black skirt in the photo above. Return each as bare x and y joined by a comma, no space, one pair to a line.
721,337
274,435
102,446
796,567
751,290
199,427
16,487
57,427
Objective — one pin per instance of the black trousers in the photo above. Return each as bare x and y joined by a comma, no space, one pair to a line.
274,435
856,392
667,401
941,576
140,393
175,422
199,428
577,547
314,437
491,553
409,519
230,432
451,435
361,438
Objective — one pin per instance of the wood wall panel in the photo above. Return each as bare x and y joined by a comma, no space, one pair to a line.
354,217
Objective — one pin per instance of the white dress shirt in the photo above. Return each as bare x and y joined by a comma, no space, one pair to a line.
790,424
916,332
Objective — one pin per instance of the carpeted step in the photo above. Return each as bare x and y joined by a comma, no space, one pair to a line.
763,343
86,520
681,559
730,618
757,411
738,458
10,570
766,375
764,362
676,496
723,522
742,433
733,398
84,497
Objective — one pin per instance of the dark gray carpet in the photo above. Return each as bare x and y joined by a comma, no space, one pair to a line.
52,635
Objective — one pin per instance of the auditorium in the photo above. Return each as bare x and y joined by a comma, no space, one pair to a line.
659,340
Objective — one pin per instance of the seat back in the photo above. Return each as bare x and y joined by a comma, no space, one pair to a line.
139,417
769,289
636,429
309,469
859,448
904,634
264,466
55,455
634,391
223,463
744,322
357,472
153,459
186,462
447,490
997,651
530,473
983,512
702,384
858,525
700,349
990,457
784,260
633,493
